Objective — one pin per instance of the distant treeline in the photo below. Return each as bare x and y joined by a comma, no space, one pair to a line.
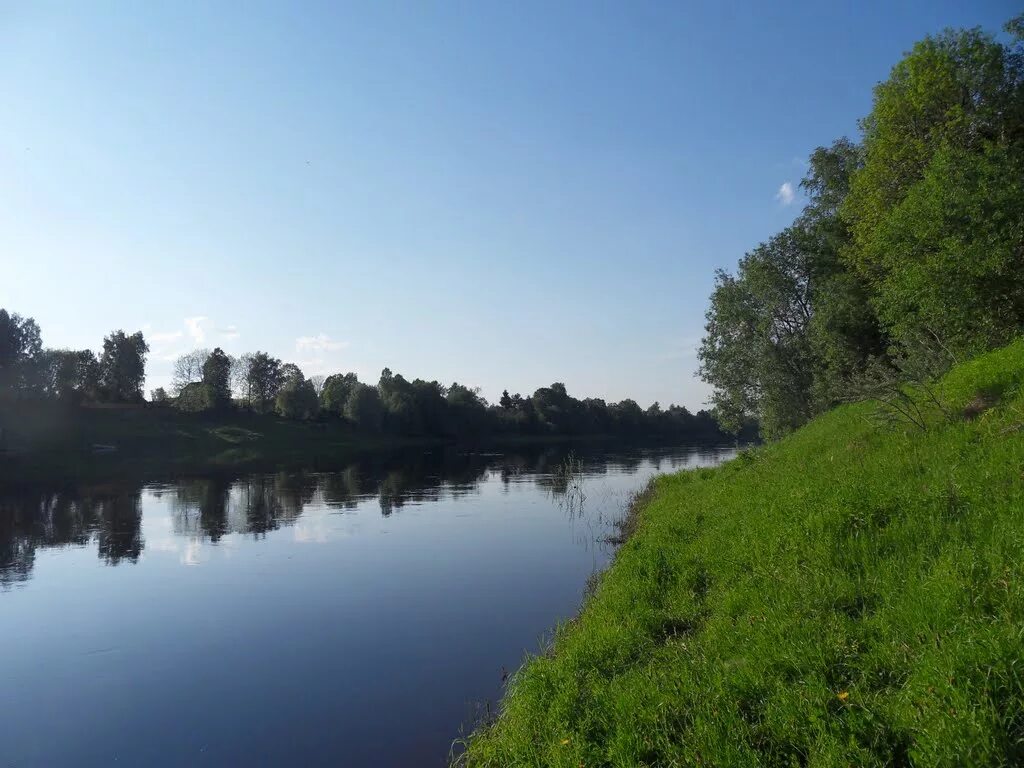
908,255
211,381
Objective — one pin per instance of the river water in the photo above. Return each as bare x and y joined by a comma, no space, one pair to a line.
361,617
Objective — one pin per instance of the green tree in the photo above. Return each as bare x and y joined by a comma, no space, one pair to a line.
844,329
399,401
263,379
122,366
296,399
335,392
70,375
196,397
364,407
935,211
466,410
20,348
217,378
756,351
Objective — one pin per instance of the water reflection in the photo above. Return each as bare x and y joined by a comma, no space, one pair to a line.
209,508
431,573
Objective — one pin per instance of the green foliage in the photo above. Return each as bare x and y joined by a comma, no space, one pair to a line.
756,351
296,399
850,595
205,380
70,375
196,397
217,378
363,407
122,367
20,348
336,391
951,252
936,212
263,379
918,231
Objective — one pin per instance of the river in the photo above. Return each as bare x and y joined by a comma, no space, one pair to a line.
361,617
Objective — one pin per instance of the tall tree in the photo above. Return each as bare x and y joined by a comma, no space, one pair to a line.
123,366
936,212
296,399
335,392
240,383
264,377
20,347
70,375
217,378
756,352
844,329
364,408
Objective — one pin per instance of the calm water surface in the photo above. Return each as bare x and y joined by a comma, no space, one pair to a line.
351,618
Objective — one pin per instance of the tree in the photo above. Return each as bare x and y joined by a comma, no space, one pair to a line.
263,379
217,378
844,330
20,347
296,399
788,332
505,401
188,369
935,212
196,397
467,411
159,396
399,401
364,408
123,366
953,263
70,375
756,352
318,384
240,378
335,392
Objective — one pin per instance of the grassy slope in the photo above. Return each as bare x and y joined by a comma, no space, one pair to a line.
853,595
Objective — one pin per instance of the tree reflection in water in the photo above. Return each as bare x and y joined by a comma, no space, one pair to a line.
212,507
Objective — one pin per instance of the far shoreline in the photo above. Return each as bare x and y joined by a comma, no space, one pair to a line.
43,444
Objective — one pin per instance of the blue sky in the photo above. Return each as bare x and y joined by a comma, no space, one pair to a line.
500,194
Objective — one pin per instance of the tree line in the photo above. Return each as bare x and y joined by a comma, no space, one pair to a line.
212,382
910,246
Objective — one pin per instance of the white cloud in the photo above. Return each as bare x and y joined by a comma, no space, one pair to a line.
319,343
194,325
786,193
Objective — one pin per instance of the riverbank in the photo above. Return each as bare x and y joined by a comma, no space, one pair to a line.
46,441
851,595
49,442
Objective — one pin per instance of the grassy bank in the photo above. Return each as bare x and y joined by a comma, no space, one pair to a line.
852,595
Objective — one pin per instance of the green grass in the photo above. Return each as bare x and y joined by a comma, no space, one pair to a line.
851,595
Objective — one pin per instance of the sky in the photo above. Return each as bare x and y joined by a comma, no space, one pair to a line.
499,194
